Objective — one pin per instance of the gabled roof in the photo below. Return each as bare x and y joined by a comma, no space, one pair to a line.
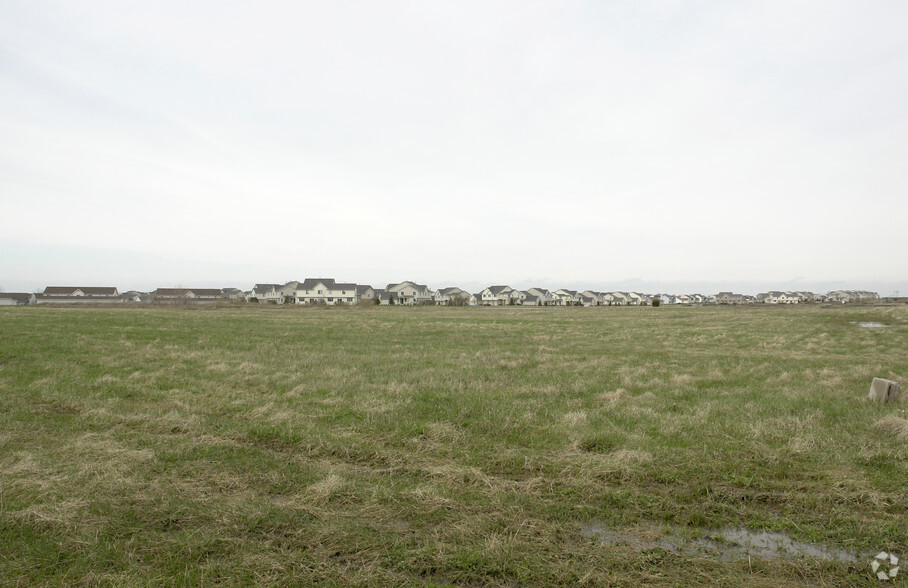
265,288
363,288
185,291
19,297
87,290
496,290
453,290
405,284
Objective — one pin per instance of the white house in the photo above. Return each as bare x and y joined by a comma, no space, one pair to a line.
270,293
16,298
408,293
76,294
365,292
596,296
531,300
322,291
777,297
500,296
80,291
444,296
545,297
565,297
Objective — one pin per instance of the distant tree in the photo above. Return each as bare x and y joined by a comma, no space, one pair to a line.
657,301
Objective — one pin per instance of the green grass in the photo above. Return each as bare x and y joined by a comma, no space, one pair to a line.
421,446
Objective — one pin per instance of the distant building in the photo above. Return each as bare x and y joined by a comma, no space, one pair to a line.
729,298
184,295
16,298
77,294
321,291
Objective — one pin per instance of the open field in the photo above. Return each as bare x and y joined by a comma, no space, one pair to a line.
423,446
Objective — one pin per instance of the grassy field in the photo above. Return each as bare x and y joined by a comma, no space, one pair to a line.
421,446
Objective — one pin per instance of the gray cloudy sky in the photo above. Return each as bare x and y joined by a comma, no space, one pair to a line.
678,146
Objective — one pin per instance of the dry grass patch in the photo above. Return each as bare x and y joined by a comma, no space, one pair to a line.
894,426
575,419
681,379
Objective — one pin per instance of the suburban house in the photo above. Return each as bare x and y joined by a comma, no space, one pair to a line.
531,299
195,295
91,291
565,297
321,291
266,293
729,298
232,293
75,294
596,296
409,293
385,297
16,298
135,296
852,296
545,297
777,297
364,292
444,296
500,296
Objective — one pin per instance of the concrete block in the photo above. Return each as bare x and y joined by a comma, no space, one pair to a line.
883,390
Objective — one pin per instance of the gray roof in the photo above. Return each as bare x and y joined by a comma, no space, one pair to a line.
414,284
19,297
185,291
87,290
498,289
262,288
311,283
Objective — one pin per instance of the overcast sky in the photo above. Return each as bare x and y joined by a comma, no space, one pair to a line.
661,146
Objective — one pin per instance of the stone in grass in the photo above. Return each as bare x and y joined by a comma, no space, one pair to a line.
889,574
883,390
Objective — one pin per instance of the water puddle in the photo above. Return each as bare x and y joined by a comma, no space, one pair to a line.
724,544
868,324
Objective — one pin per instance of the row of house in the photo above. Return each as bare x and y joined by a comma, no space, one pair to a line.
798,297
408,293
